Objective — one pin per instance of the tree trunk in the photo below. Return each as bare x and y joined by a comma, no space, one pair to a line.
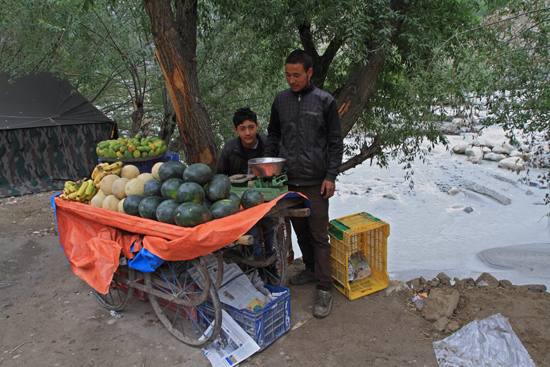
168,123
357,91
137,115
361,84
182,84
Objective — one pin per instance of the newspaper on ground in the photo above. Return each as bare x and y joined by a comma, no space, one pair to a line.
239,292
232,346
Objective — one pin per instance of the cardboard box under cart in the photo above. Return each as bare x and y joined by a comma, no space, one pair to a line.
367,234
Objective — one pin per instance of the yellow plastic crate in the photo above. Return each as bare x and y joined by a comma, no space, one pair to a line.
359,232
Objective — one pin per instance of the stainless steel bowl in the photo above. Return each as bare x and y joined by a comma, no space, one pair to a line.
267,167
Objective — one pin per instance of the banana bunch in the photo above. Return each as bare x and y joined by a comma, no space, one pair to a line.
82,190
104,169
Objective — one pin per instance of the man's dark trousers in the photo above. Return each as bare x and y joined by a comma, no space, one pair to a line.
312,234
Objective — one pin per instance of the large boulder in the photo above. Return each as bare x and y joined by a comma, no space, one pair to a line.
503,149
494,157
474,151
513,163
440,303
460,148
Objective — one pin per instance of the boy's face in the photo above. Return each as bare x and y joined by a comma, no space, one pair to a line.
297,77
247,132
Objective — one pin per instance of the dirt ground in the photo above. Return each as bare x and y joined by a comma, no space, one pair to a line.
48,316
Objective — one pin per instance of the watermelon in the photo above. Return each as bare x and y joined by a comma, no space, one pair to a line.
198,173
219,188
131,204
190,192
165,211
148,207
170,170
191,215
223,208
251,198
206,203
169,188
152,188
234,197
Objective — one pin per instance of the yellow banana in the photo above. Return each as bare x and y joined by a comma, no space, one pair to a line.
82,188
63,196
92,193
72,196
113,166
89,187
95,172
99,176
115,172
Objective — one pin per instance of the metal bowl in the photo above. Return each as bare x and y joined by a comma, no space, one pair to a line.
267,167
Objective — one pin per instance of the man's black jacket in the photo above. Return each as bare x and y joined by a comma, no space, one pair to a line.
307,125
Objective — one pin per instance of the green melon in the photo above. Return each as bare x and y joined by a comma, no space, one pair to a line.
169,188
206,203
190,192
223,208
131,204
219,188
152,188
234,197
165,211
198,173
170,170
251,198
148,207
191,215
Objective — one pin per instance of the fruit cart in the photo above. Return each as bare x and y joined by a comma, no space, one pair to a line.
101,246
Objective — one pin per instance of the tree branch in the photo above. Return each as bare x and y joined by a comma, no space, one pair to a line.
366,152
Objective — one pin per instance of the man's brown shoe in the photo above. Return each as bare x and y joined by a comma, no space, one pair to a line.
303,277
323,304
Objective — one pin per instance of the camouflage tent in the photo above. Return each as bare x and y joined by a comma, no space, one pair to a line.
48,134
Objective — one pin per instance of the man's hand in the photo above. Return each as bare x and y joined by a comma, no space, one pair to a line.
328,189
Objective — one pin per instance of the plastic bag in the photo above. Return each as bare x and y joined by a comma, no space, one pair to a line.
490,342
358,266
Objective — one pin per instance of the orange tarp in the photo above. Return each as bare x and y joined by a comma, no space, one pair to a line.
93,238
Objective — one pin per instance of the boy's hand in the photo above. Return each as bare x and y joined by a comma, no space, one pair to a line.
328,189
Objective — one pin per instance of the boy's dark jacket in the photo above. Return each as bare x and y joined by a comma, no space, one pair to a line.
233,160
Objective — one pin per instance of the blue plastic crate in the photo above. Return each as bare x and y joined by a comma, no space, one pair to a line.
147,166
264,326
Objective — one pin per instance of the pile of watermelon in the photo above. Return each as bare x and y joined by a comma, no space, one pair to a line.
187,196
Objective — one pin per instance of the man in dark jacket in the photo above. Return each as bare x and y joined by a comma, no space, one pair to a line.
248,145
305,122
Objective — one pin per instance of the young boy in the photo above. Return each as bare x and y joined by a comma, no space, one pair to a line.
248,145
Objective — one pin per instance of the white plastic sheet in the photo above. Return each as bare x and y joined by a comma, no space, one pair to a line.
490,342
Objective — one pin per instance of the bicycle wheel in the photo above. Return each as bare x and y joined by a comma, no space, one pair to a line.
268,252
119,294
182,306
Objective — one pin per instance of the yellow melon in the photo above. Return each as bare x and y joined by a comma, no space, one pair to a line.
118,187
120,206
155,170
97,200
111,203
134,187
106,184
145,177
129,171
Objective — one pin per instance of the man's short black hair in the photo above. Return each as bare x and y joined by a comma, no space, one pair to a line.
244,114
300,57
